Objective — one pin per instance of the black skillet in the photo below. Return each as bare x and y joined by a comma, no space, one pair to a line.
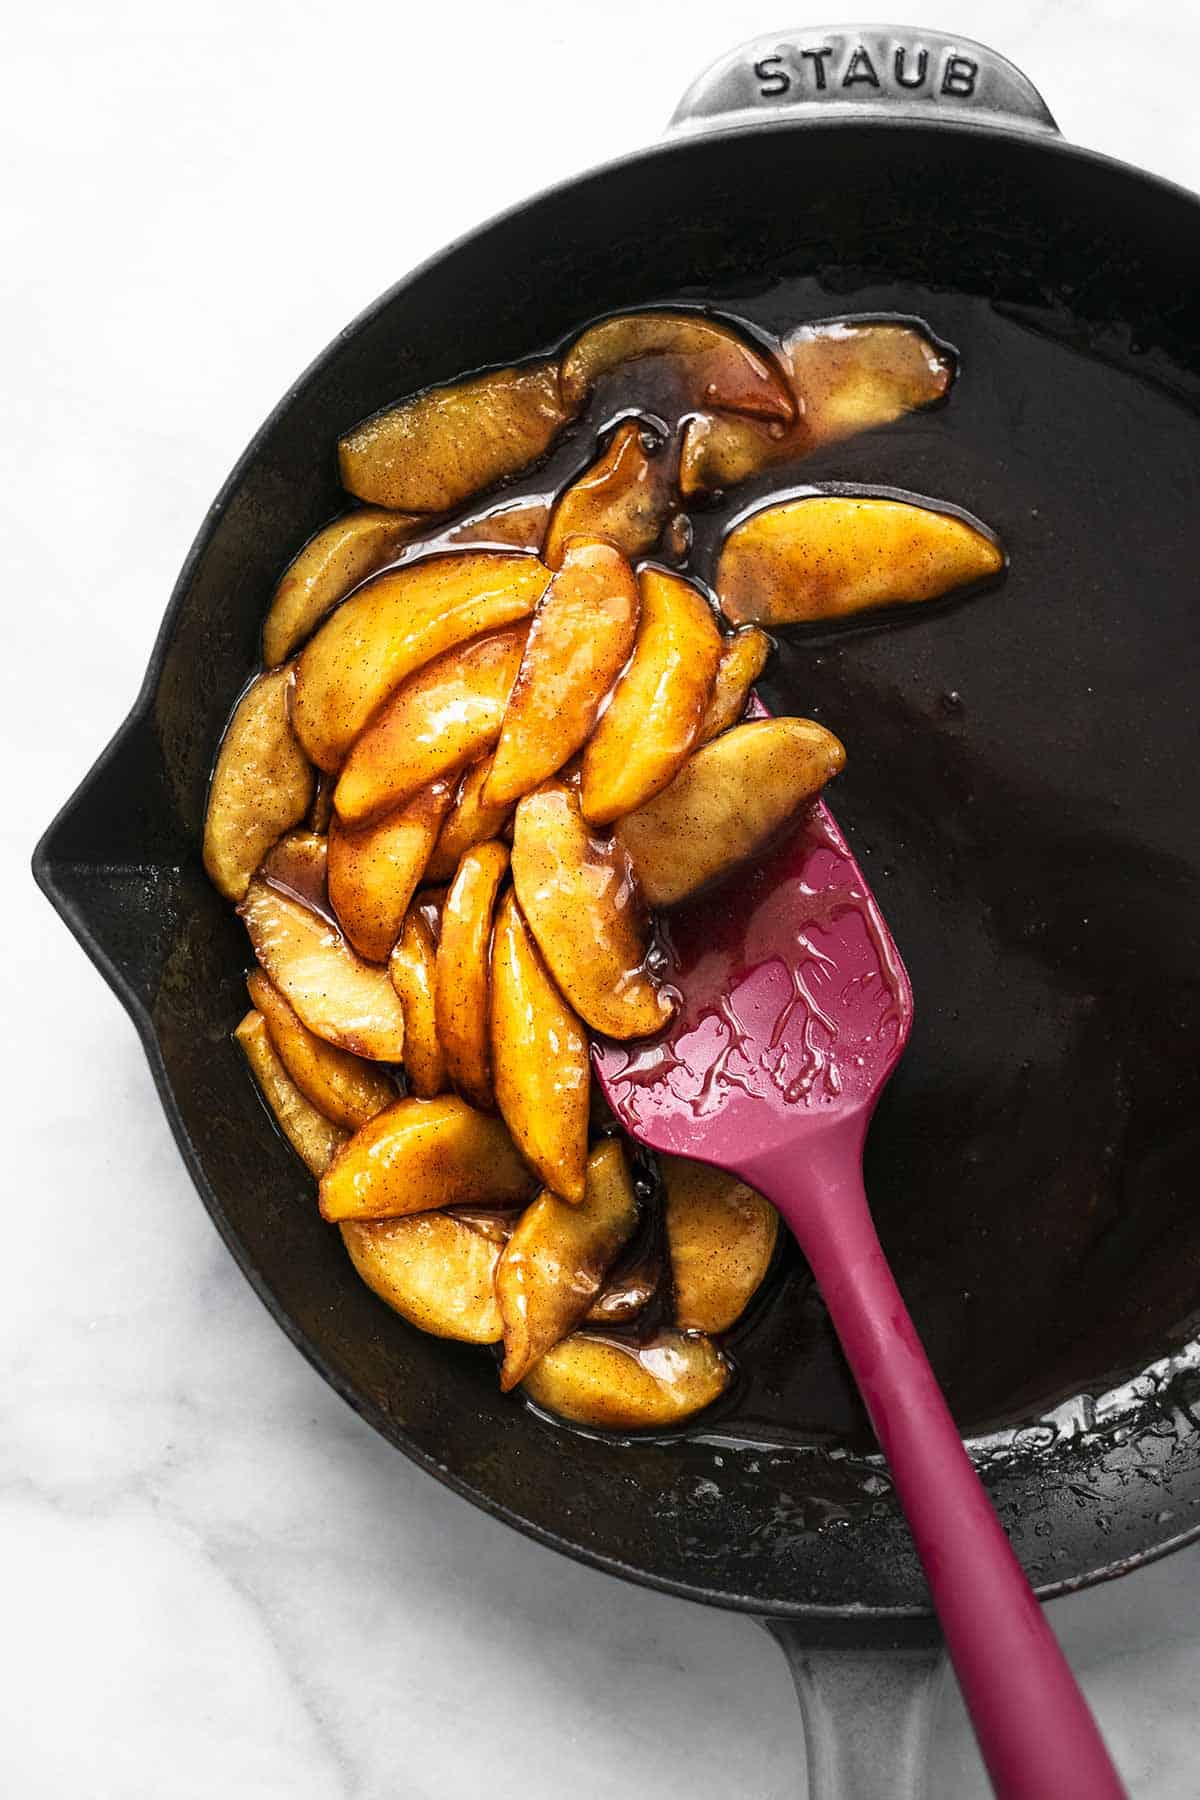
1021,788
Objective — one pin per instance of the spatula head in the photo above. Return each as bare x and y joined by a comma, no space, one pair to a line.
793,1009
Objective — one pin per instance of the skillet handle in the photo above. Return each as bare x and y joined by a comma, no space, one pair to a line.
868,1716
865,71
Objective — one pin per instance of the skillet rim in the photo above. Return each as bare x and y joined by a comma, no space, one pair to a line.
855,1620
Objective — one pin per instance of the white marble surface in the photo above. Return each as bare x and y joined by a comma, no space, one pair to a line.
216,1580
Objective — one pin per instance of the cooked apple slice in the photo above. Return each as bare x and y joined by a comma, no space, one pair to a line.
432,452
627,1291
434,1270
312,1136
579,641
717,450
851,375
330,564
846,377
540,1061
411,968
625,497
722,1237
717,368
677,539
556,1258
828,555
444,716
654,716
420,1155
615,1386
743,658
345,1088
578,902
461,980
374,871
725,804
261,787
470,821
394,626
299,865
335,993
511,524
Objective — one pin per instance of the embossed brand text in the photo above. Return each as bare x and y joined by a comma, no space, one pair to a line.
851,71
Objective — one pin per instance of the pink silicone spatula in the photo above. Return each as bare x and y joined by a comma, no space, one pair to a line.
794,1009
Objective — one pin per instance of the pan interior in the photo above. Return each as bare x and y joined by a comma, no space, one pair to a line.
1020,790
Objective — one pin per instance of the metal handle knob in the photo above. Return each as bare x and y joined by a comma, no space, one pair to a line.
860,70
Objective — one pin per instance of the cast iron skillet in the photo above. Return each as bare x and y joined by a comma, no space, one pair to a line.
1021,786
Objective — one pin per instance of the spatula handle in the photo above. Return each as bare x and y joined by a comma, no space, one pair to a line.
1035,1729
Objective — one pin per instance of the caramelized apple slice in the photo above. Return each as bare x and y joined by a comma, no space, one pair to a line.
743,659
616,1386
394,626
432,452
511,524
828,555
461,981
470,821
312,1136
851,375
580,640
411,968
625,497
434,1270
717,368
722,1237
654,716
343,1087
540,1062
627,1292
299,865
444,716
556,1258
261,787
846,377
578,901
725,804
338,996
677,539
420,1155
330,564
374,871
